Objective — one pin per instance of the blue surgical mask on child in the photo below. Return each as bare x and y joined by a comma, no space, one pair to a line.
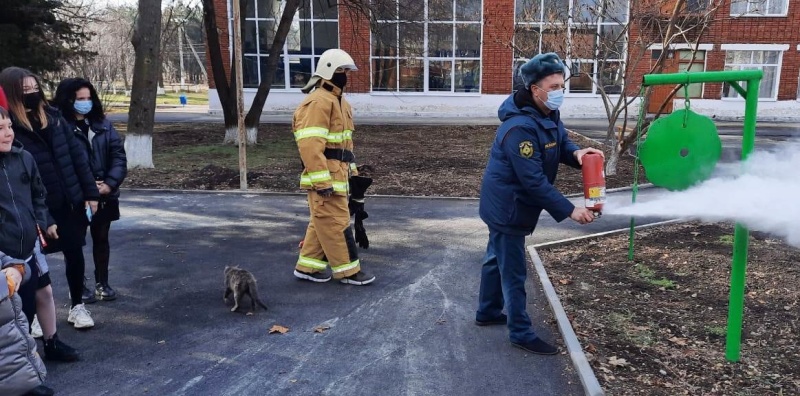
83,107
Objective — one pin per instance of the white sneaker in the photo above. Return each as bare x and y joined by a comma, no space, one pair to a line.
80,317
36,329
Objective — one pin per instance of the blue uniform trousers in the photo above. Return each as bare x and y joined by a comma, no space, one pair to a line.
503,284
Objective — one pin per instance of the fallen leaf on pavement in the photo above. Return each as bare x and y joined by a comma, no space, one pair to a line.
321,328
565,281
278,329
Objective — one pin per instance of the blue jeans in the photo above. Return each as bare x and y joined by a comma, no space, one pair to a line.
503,284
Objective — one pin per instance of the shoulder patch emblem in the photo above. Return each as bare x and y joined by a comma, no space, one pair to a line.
526,149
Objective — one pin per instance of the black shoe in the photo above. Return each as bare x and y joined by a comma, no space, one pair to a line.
40,390
318,277
538,347
88,295
500,320
359,278
56,350
104,292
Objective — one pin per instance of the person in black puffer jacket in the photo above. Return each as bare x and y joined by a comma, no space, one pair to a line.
65,170
81,107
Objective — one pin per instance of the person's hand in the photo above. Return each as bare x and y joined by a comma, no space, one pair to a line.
92,205
580,153
326,192
52,232
582,215
13,279
103,188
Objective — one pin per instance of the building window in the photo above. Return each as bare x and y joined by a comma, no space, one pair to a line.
589,35
798,88
759,7
768,61
427,46
315,28
689,63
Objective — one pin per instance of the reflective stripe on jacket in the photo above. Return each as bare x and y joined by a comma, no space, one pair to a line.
324,120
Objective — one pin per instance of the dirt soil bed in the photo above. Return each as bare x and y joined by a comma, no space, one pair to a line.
403,160
657,326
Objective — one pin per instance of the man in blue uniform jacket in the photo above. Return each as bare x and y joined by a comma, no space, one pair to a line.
517,186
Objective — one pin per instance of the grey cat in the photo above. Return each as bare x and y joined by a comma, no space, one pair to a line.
240,282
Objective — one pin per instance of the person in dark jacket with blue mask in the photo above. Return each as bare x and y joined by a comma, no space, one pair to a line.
79,103
517,185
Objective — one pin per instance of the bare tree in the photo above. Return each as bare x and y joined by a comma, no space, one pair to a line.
111,30
146,40
666,23
617,41
225,82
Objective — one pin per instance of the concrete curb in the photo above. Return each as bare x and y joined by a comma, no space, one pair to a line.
590,384
606,233
279,193
288,193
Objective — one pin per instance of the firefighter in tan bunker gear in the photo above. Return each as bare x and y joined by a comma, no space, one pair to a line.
323,130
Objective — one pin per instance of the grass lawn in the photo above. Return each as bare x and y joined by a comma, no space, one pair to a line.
170,98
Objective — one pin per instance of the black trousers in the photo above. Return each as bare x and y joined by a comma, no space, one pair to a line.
101,250
72,224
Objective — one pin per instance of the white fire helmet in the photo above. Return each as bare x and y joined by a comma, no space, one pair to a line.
330,61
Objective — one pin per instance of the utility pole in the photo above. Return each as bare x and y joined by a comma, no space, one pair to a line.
194,52
180,54
237,60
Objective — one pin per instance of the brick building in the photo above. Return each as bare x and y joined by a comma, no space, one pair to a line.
458,57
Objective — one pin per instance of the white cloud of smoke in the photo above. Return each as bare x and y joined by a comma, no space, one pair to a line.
763,193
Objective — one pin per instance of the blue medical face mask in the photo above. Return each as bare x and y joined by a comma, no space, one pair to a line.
554,98
83,107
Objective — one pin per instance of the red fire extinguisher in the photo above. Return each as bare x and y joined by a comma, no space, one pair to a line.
594,182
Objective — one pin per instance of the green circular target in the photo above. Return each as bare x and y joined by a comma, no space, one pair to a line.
680,150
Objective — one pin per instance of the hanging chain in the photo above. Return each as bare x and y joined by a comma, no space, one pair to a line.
640,121
686,100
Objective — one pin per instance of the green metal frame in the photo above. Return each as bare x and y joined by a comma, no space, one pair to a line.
741,234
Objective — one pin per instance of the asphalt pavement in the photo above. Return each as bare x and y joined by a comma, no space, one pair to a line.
409,333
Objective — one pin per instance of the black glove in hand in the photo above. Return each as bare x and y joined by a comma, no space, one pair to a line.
326,192
355,206
359,186
361,233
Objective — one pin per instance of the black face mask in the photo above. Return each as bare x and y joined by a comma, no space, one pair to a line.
31,100
339,80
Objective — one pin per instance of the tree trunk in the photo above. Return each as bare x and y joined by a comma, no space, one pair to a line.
612,161
613,142
232,134
257,107
146,40
224,86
